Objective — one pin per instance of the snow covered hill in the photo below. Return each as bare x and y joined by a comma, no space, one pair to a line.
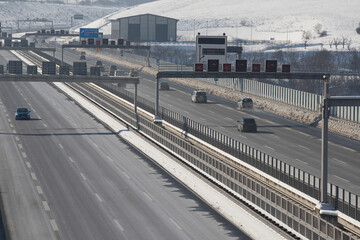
280,20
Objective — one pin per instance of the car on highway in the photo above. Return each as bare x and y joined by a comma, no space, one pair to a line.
164,86
199,96
245,103
22,113
247,125
100,65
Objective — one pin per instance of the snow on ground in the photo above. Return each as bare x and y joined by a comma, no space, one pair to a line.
257,20
60,14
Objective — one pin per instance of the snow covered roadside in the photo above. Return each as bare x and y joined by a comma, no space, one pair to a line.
246,222
338,126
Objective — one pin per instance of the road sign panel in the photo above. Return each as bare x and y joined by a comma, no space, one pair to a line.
89,32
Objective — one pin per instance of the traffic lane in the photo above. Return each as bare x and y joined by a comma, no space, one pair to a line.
53,167
26,217
283,142
302,154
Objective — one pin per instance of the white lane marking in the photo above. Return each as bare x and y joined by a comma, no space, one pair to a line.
118,225
9,120
269,147
242,136
170,105
211,111
33,176
13,131
11,125
17,138
203,119
61,146
228,118
222,127
110,158
7,115
127,176
83,176
46,206
39,190
349,149
54,225
98,197
20,146
276,136
341,178
147,196
24,154
175,223
28,164
301,146
71,160
301,161
186,112
339,161
45,125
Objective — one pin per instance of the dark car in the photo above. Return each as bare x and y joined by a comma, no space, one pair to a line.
164,86
247,125
245,103
199,96
22,113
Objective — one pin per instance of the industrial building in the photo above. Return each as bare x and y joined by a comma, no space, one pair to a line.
144,28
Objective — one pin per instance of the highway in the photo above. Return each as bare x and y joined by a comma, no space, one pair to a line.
294,143
78,180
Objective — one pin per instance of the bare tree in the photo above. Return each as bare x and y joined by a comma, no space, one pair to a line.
306,37
318,28
336,42
343,41
331,42
348,44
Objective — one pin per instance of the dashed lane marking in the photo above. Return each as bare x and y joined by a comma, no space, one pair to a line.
24,154
110,158
8,120
83,176
71,160
33,176
230,119
301,146
45,125
301,161
20,146
54,225
269,147
17,138
146,195
175,223
11,125
339,161
98,197
13,131
39,190
118,225
211,111
341,178
127,176
61,146
28,164
46,206
186,112
275,136
242,136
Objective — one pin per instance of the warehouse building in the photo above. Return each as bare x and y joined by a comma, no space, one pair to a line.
144,28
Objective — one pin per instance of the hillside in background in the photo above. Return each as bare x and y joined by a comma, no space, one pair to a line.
321,21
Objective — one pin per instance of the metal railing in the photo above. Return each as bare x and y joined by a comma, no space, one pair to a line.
233,180
339,198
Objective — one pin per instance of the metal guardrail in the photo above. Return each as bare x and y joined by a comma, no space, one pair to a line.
339,198
233,180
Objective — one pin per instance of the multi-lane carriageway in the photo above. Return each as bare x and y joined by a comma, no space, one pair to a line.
281,138
294,143
66,176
